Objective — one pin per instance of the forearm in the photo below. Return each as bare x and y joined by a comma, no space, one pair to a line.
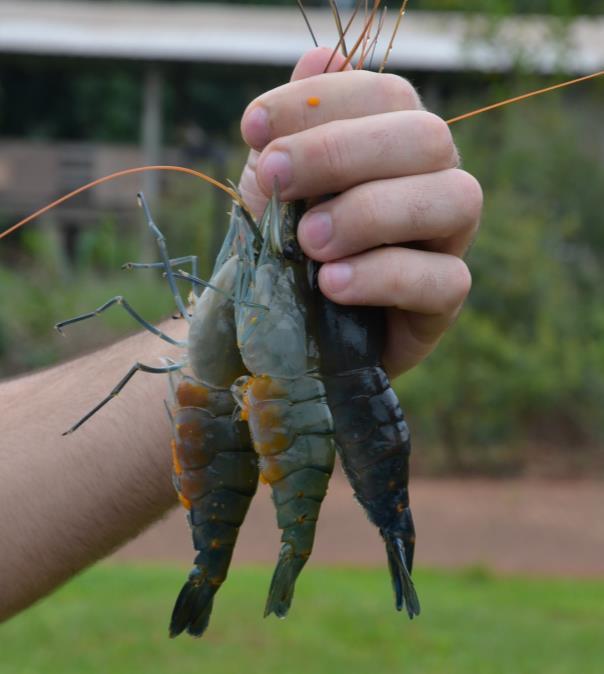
68,501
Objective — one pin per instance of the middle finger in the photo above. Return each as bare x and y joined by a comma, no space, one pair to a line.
338,155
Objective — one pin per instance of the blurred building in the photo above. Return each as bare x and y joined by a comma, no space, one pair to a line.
158,38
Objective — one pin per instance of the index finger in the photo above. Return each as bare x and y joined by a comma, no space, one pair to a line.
317,99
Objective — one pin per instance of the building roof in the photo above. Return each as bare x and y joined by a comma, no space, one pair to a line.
277,35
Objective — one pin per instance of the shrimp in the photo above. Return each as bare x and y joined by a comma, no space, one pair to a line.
214,469
214,466
284,400
371,434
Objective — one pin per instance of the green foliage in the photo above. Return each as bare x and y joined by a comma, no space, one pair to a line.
41,286
525,361
31,304
114,619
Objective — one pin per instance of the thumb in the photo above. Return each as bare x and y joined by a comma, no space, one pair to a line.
315,61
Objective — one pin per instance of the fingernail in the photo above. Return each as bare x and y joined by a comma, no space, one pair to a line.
277,165
316,229
255,127
336,276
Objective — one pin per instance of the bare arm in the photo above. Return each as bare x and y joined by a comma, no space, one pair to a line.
67,501
403,217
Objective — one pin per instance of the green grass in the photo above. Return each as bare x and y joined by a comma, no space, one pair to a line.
113,619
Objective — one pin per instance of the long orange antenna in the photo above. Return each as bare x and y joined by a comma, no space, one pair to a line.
399,18
522,97
139,169
366,42
373,44
361,39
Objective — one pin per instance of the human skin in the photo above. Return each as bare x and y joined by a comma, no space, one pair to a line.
403,216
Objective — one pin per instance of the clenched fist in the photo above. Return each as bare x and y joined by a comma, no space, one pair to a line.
404,214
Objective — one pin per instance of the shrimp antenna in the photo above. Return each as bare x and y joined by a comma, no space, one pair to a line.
401,13
343,35
249,218
338,20
361,38
371,42
522,97
374,42
118,174
307,22
365,42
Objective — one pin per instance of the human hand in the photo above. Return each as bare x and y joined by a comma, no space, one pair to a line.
404,214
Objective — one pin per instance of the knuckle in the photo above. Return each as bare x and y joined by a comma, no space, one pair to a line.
403,285
439,289
439,141
459,284
427,287
471,195
418,209
334,152
400,91
366,210
397,285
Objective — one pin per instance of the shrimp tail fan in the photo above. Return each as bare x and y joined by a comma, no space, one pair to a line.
192,609
399,564
281,591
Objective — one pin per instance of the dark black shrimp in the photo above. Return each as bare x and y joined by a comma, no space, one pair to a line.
372,437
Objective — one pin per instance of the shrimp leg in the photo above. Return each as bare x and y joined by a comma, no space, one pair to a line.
120,302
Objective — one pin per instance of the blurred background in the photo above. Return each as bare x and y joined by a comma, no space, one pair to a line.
506,414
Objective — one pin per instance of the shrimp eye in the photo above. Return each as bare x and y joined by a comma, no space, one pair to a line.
291,251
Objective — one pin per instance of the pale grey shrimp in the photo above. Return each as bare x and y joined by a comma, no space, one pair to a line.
215,469
284,400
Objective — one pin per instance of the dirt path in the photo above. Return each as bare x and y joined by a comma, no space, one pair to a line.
524,526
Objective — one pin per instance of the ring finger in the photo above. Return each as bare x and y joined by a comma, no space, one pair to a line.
441,210
411,280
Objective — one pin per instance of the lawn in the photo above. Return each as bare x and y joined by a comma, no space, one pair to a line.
113,619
